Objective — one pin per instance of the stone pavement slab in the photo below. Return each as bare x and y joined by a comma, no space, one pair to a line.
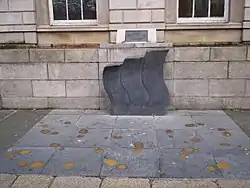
177,139
233,183
225,139
175,163
75,161
183,184
215,121
43,135
173,121
92,138
122,162
29,181
76,182
6,180
125,183
16,125
6,113
242,119
59,120
127,138
234,164
25,160
134,122
96,121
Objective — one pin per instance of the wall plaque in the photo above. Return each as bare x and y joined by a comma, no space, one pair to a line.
136,36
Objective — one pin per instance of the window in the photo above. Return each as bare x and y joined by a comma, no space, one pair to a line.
202,10
63,12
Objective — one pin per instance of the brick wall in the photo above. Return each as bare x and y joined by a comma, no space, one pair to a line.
17,21
197,77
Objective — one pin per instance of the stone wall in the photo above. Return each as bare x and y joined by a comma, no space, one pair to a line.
17,21
197,77
246,22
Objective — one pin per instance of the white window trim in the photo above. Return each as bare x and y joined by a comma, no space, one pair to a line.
205,19
71,22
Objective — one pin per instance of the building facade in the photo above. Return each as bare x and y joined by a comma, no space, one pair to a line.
53,51
47,22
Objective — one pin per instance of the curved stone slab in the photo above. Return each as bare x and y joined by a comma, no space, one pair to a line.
153,79
117,94
131,79
137,86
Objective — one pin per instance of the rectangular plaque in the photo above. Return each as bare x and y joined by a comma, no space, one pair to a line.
136,36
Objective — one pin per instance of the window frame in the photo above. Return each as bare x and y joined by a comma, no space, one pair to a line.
71,22
205,19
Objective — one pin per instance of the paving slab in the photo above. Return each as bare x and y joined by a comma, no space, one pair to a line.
178,139
16,125
123,162
75,182
183,184
125,183
66,112
176,163
6,180
25,160
234,163
127,138
242,119
75,161
66,136
134,122
225,139
43,135
6,113
207,113
92,138
174,121
37,181
233,183
59,120
96,121
215,121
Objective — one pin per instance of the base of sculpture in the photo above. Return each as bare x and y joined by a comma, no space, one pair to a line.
137,86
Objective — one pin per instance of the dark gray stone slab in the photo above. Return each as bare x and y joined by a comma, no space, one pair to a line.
226,139
131,86
235,163
181,139
15,126
134,122
75,161
127,138
15,163
5,113
194,166
143,164
242,119
96,121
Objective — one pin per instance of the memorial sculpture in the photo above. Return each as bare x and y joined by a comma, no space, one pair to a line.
137,87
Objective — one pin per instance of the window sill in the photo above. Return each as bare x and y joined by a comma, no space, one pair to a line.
67,28
191,26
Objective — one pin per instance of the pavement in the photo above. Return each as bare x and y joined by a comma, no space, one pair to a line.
73,147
